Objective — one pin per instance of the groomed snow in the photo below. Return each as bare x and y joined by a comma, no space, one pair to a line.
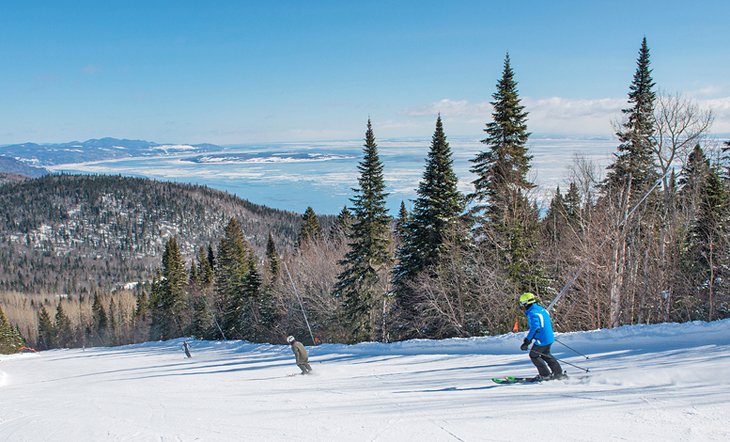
668,382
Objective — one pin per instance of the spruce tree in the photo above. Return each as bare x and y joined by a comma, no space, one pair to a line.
361,283
64,329
100,321
46,331
310,229
249,320
634,161
233,266
506,223
401,223
201,323
708,246
437,209
170,316
273,257
10,339
338,232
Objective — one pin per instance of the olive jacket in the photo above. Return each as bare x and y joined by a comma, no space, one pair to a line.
300,352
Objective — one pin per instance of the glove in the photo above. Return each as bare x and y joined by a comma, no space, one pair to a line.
525,344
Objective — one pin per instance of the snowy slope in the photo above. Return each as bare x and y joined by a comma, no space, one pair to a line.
661,382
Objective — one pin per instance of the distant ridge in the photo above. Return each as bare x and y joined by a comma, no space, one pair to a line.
10,165
79,233
95,149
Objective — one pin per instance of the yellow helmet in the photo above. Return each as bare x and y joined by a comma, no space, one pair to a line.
527,298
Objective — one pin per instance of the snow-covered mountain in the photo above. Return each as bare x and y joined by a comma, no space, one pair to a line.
645,383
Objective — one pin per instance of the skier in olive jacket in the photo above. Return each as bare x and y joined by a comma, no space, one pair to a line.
301,354
541,330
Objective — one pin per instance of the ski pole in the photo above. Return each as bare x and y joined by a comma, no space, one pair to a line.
560,360
571,348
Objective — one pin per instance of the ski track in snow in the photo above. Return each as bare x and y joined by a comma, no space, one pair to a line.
668,382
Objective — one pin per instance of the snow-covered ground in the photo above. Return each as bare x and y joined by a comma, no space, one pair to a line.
646,383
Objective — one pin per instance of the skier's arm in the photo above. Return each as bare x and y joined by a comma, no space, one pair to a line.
534,321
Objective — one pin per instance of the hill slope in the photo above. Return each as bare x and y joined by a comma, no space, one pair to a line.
72,234
660,382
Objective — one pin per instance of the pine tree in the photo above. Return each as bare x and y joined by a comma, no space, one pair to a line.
311,229
100,321
436,212
361,283
341,227
46,331
506,222
10,339
233,266
573,204
401,223
170,316
708,245
206,269
692,180
113,324
201,323
64,329
249,320
273,257
634,162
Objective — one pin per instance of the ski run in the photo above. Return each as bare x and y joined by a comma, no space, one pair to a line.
666,382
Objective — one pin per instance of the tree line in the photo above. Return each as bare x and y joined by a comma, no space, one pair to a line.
646,243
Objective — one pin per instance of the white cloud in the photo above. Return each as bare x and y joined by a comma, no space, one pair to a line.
554,114
558,114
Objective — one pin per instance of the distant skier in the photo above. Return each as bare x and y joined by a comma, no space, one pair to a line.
301,354
541,330
186,349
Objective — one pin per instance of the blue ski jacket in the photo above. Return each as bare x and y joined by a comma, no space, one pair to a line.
541,327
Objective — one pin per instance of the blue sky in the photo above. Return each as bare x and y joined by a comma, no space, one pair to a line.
243,72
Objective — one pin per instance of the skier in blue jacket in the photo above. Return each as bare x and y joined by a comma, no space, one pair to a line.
541,331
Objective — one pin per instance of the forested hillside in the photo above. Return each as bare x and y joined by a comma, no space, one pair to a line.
78,234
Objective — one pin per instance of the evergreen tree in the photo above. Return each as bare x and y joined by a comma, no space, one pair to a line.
401,223
273,256
506,222
113,326
206,266
169,316
360,284
708,246
310,230
233,266
635,157
436,211
249,320
46,331
10,339
692,180
100,321
201,324
573,204
341,226
64,330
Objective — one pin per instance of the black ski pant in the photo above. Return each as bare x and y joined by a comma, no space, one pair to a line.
305,367
546,364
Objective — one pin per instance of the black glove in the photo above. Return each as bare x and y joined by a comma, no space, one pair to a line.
525,344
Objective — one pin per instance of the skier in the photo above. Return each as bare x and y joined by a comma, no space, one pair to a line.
186,349
541,330
301,354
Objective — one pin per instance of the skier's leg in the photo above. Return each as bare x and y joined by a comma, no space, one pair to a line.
303,368
536,358
309,367
552,363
